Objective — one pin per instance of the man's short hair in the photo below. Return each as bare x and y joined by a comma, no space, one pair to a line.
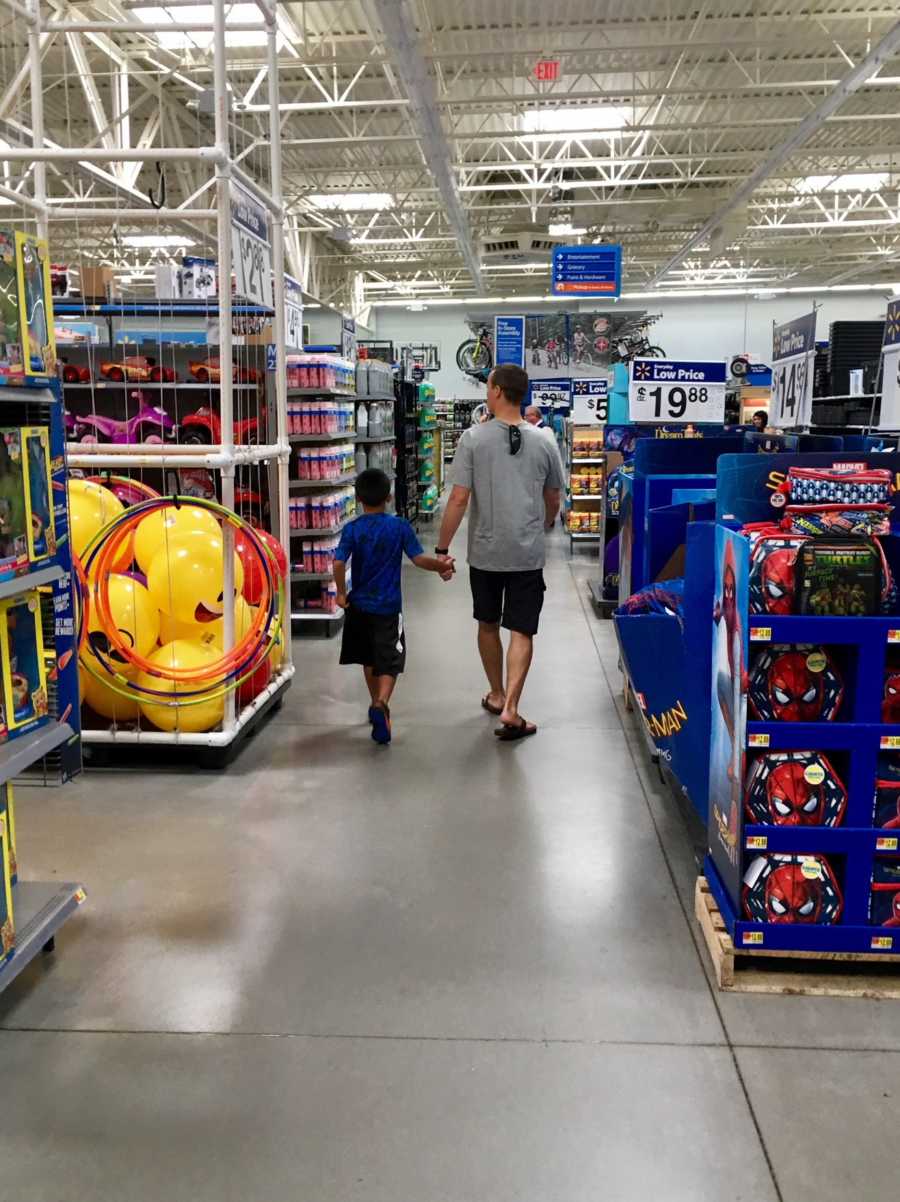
512,381
533,409
373,487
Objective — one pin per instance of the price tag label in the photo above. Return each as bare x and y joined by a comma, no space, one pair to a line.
80,897
590,402
793,359
757,842
666,390
758,740
293,314
760,634
251,250
882,943
893,636
551,394
889,743
886,843
752,937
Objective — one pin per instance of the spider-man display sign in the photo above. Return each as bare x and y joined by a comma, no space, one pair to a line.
795,683
887,793
794,788
884,899
791,889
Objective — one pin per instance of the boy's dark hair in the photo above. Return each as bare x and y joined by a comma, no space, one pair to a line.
512,381
373,487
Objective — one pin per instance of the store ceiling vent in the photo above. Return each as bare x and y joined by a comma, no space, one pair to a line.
524,247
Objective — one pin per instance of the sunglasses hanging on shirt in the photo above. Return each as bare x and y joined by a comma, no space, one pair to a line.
515,440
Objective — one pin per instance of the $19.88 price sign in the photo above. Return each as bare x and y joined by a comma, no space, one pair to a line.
251,250
668,390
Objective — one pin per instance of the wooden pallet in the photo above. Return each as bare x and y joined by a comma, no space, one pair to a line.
739,970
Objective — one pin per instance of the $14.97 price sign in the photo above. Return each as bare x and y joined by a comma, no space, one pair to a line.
793,357
668,390
251,250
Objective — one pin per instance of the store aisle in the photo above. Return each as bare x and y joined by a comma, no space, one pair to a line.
448,970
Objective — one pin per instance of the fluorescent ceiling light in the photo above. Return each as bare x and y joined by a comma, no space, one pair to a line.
159,17
854,181
157,240
347,202
605,117
557,229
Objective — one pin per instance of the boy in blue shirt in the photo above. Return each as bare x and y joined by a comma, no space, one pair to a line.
373,628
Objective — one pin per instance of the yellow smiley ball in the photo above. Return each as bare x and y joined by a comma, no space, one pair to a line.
212,634
186,577
157,530
182,653
90,509
134,614
104,701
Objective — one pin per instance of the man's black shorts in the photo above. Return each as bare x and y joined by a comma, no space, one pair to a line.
377,641
511,598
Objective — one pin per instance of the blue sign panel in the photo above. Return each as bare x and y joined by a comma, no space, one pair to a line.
594,388
892,325
509,340
587,271
797,337
666,390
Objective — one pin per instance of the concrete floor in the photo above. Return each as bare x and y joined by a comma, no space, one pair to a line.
447,971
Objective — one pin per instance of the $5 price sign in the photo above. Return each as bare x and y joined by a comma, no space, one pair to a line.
670,390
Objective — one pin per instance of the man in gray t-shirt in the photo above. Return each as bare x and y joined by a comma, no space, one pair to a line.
514,479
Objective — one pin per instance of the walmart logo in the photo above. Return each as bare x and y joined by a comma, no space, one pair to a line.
642,371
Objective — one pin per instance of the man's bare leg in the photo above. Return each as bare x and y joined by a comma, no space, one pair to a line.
385,686
371,683
518,661
491,651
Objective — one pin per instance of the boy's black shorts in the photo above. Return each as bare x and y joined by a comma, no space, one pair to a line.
377,641
513,598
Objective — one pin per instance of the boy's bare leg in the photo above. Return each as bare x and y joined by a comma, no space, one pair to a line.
518,661
491,651
384,686
371,683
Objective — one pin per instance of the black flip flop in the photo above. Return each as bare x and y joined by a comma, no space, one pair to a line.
496,710
508,733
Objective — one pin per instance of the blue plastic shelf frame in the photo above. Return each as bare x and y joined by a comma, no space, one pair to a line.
854,739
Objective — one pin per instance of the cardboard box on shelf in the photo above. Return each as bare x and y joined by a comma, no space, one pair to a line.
99,283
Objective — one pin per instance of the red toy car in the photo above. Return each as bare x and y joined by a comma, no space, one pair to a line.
137,369
209,371
205,426
75,375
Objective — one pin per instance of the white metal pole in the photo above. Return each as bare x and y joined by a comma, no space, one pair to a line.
95,154
37,117
281,433
226,392
57,213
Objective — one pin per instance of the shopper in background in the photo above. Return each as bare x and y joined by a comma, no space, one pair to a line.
514,481
374,637
535,418
759,420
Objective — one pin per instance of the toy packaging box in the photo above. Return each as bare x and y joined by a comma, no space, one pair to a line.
7,925
839,576
10,332
22,663
8,811
13,510
40,526
884,899
35,306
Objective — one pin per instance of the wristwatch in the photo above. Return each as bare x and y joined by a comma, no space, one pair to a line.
442,550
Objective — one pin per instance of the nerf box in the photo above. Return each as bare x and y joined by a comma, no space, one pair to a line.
7,925
10,330
884,898
13,510
22,664
40,527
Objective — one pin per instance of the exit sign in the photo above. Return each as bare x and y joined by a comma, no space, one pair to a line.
546,70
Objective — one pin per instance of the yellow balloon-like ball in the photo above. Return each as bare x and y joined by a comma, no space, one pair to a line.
185,577
157,529
135,615
104,701
90,509
182,653
212,634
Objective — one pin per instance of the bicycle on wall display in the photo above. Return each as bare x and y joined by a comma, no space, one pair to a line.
475,356
636,345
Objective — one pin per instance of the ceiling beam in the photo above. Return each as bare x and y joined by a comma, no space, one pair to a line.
852,82
398,26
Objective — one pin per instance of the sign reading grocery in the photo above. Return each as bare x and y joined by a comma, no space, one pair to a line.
509,340
890,374
793,359
669,390
587,270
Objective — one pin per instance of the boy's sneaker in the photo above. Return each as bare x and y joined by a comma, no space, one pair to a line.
371,715
381,723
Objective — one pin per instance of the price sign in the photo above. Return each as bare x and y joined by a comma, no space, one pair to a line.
668,390
793,359
590,402
293,314
551,394
251,250
890,374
